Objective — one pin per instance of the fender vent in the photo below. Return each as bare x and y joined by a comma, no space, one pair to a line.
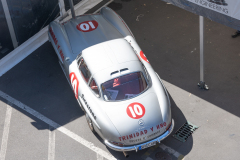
185,131
125,70
115,72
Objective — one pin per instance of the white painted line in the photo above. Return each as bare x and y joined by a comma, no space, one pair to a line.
58,127
5,133
176,154
103,6
169,150
9,23
99,157
148,158
51,143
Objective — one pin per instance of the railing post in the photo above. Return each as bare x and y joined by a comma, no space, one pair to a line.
202,84
72,9
9,23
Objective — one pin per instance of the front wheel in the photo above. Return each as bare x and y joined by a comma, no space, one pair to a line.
89,122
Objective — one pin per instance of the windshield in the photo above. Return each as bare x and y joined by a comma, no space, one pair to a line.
124,87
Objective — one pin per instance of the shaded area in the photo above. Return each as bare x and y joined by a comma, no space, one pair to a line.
6,45
115,6
39,82
216,10
30,16
99,5
169,37
67,5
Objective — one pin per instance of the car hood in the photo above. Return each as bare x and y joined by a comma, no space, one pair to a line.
80,40
137,120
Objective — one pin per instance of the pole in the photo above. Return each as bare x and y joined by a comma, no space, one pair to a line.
72,9
9,23
202,84
62,7
201,21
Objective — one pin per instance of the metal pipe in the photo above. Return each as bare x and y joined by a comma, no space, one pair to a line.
62,7
125,154
9,23
72,9
201,23
202,84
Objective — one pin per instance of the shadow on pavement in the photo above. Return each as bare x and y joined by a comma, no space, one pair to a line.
169,37
39,82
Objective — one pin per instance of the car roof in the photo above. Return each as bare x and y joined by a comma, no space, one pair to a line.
111,59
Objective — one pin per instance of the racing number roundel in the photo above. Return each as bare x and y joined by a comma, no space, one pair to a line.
87,26
74,83
135,110
143,56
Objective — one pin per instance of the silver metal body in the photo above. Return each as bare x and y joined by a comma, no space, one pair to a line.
202,84
201,31
106,44
72,9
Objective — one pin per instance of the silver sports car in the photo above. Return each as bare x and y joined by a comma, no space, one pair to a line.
124,100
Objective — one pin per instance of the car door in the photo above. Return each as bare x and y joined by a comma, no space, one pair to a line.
88,88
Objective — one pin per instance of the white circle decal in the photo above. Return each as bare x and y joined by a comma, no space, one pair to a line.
135,110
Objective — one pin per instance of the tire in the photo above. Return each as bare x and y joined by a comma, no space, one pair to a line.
89,122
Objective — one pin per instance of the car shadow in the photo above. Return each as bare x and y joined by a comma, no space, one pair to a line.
39,82
171,43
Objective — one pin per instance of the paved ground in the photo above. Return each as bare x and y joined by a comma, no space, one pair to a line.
169,38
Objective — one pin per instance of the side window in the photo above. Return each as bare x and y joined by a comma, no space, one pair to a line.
145,70
94,87
84,70
146,73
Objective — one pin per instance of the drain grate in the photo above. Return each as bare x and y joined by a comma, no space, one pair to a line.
185,131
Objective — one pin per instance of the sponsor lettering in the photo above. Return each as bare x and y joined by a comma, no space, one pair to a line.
135,140
135,110
153,134
142,55
56,43
212,5
152,130
87,26
89,108
75,83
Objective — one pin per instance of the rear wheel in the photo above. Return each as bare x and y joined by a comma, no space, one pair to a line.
89,122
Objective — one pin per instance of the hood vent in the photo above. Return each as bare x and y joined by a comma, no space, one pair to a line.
125,70
115,73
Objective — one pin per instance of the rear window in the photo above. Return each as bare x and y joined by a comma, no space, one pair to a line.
124,87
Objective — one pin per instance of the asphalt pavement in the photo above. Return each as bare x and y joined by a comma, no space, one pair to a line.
40,118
